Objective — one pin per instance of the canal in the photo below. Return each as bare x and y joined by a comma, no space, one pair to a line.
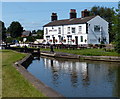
74,78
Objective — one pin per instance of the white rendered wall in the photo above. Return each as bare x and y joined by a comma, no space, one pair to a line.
54,32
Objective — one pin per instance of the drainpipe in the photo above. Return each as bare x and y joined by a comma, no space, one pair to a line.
63,31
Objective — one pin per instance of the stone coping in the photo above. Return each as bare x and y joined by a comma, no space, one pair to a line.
82,57
46,90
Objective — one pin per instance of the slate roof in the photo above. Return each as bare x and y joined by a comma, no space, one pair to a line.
70,21
26,33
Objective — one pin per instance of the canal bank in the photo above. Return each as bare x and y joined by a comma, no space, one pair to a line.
13,83
81,57
25,60
47,91
76,78
35,81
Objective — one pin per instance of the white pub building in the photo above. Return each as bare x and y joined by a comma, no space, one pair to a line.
76,31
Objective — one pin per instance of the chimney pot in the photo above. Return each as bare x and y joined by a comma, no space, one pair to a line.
73,13
54,16
85,13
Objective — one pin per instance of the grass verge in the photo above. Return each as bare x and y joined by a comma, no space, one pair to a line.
86,52
13,83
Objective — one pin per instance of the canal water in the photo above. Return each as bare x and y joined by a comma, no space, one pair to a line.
73,78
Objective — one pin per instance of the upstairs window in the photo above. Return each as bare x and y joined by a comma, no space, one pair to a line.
59,30
46,30
80,28
68,30
73,30
97,28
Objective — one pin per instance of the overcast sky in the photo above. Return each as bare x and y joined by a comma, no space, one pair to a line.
33,15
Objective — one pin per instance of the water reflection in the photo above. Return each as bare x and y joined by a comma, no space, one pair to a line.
78,78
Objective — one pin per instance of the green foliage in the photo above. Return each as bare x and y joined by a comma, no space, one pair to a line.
2,31
39,34
9,40
86,52
30,39
34,32
117,47
13,83
15,29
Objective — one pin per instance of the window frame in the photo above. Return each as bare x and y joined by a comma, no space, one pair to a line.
59,30
68,30
80,28
74,30
97,28
81,38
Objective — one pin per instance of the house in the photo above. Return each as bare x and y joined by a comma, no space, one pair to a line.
34,35
76,31
26,33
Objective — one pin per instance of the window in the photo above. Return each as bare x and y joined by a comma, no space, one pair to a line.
73,30
69,38
46,31
59,38
97,28
68,30
80,28
59,30
81,38
48,38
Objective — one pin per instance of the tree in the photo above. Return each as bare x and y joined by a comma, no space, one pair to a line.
2,31
34,32
117,47
40,34
15,29
109,15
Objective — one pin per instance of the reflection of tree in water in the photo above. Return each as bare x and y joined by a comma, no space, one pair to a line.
117,83
86,77
111,76
118,74
74,76
55,74
28,62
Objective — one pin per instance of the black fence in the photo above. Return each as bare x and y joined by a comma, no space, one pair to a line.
66,46
24,49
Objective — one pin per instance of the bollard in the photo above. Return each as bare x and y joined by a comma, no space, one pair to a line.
51,48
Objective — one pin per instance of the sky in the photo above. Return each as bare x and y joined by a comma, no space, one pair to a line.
33,15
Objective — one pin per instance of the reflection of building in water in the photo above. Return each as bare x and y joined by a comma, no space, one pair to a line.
73,68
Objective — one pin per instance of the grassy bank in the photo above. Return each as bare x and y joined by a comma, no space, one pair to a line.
14,84
86,52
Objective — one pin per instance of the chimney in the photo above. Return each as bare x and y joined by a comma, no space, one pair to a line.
54,17
85,13
73,13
